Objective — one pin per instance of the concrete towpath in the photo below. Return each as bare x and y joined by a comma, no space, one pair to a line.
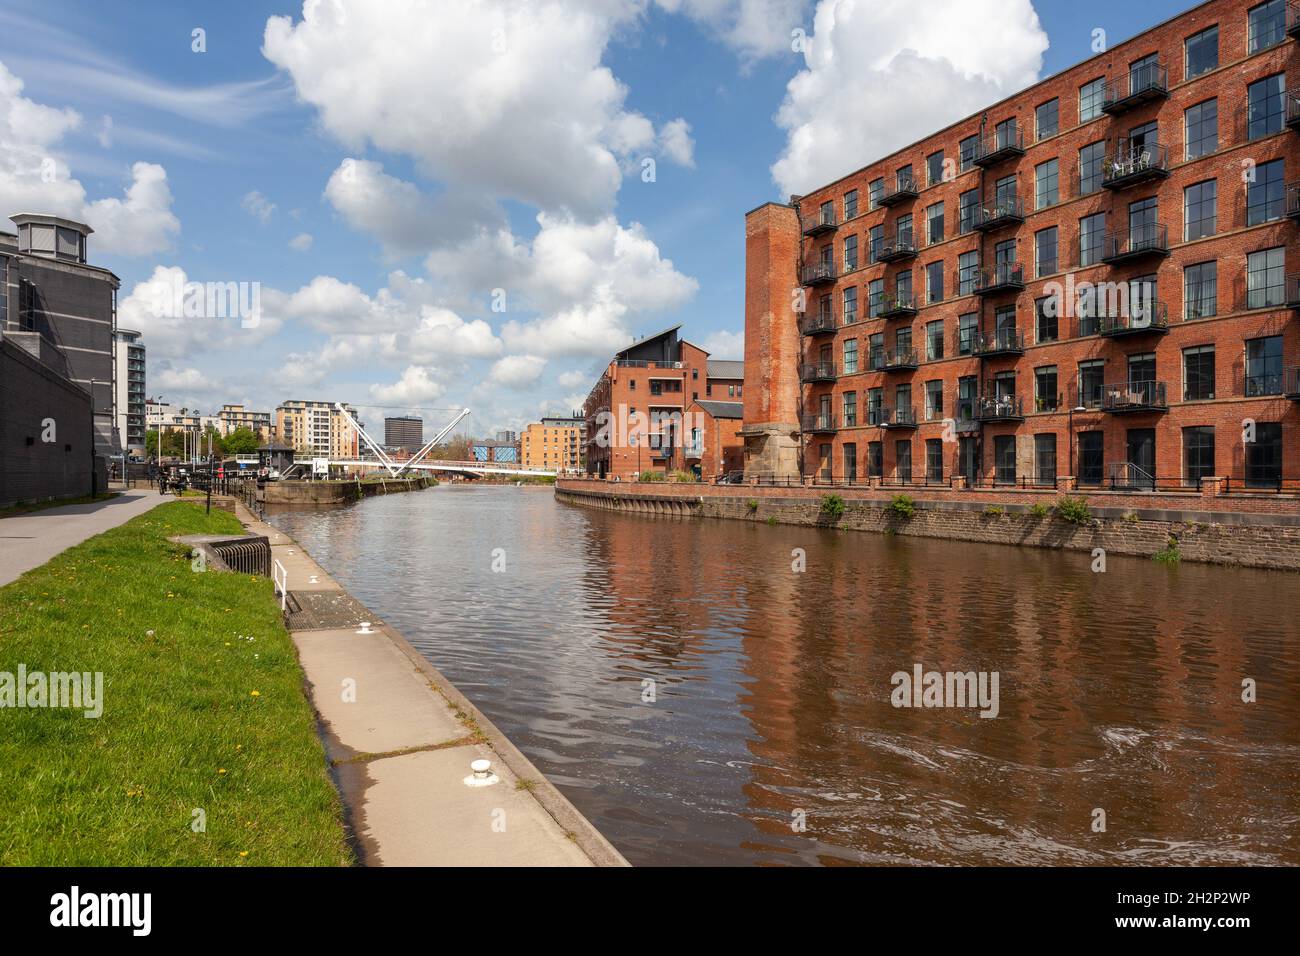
400,739
28,541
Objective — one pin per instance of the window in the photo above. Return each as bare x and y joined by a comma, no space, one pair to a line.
1264,366
903,459
850,253
903,230
1264,456
1046,184
875,460
850,305
1091,164
850,461
1199,218
934,340
875,297
1198,453
1004,193
1265,278
850,356
966,329
1265,106
933,400
1091,459
1087,310
1090,97
1266,194
1045,458
1265,25
875,399
1200,290
902,340
1047,118
850,204
966,205
1045,251
1198,373
934,223
875,189
934,281
876,351
1092,376
934,168
1092,233
1046,397
1201,128
876,237
934,459
1004,459
1202,52
966,152
903,177
968,267
850,409
967,386
1005,134
903,287
1047,319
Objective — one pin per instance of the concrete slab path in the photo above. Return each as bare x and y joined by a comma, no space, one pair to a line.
28,541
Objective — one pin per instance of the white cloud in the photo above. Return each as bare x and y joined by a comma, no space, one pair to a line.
724,344
675,142
258,206
157,307
416,385
573,379
140,224
517,371
301,242
754,28
908,69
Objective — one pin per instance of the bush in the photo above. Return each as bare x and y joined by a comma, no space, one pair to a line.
652,476
1169,554
771,520
752,504
1073,510
1039,510
994,511
1131,517
902,506
684,476
832,507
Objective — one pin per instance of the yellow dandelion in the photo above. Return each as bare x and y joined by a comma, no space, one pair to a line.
221,770
243,853
256,693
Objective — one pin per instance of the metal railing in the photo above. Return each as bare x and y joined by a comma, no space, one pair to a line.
895,247
904,187
999,213
1143,83
1153,316
819,221
898,303
999,340
820,423
1291,381
280,577
1004,275
1001,143
817,372
886,359
1148,238
1133,396
999,408
898,417
819,272
1261,384
1131,164
816,324
1259,484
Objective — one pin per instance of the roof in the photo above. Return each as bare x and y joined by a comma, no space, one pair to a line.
648,338
724,368
722,409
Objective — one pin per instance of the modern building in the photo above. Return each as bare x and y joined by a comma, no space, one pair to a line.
507,436
233,417
317,428
403,432
636,413
1095,278
54,300
486,449
129,389
554,444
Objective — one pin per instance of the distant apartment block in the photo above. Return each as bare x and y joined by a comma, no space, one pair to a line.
404,432
553,444
129,387
317,428
233,417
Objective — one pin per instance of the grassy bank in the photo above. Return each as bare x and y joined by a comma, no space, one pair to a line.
196,716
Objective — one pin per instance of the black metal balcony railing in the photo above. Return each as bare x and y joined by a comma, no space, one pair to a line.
1293,200
893,360
1004,212
819,273
895,248
898,304
1150,239
817,372
1262,384
1138,86
1147,318
1293,19
999,342
1134,397
820,424
1131,165
818,324
1003,277
1001,408
896,417
1292,293
1291,382
1002,143
904,189
820,222
1291,102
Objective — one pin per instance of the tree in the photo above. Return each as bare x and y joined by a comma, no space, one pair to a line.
241,441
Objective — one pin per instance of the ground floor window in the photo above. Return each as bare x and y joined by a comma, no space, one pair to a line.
1045,458
1004,459
934,459
1198,453
850,461
903,453
1091,458
1264,456
875,460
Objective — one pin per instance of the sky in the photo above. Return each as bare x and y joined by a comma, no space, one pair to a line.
435,204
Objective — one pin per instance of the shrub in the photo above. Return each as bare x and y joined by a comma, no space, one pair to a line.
1131,517
651,476
902,506
1168,554
752,504
994,511
771,520
1073,510
1039,510
681,476
832,507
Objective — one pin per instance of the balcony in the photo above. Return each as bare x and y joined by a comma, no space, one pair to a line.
1149,241
1149,318
1293,20
821,222
1002,145
894,360
1142,85
1000,342
1293,200
998,215
1292,100
904,417
896,249
1134,165
817,372
820,424
898,305
819,324
1004,277
904,190
1291,382
819,273
1005,408
1134,397
1292,292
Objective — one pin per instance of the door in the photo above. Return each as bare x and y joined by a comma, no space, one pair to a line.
968,459
1142,456
850,462
824,463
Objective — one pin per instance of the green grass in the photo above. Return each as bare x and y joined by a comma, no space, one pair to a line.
27,507
179,709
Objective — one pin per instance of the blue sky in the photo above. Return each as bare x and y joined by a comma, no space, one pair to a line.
426,140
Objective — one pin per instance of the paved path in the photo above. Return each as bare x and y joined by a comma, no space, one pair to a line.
28,541
400,738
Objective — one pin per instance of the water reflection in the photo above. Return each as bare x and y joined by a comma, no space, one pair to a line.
1119,691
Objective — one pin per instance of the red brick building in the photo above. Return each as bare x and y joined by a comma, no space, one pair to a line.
1095,277
640,415
715,442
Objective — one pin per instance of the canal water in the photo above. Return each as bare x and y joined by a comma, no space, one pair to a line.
703,701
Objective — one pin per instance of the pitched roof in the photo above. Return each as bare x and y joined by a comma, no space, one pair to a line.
724,368
722,409
647,338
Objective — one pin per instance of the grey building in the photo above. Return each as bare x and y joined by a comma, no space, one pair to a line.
129,394
402,432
